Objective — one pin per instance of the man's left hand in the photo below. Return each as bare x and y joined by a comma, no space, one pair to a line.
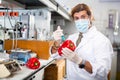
72,56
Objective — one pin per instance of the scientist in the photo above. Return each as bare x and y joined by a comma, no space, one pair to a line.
92,57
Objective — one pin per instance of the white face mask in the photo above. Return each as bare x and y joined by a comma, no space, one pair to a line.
82,25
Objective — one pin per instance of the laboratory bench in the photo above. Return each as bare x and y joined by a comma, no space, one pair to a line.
31,74
49,70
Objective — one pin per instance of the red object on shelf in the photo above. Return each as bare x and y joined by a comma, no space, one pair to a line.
9,13
69,44
33,63
13,13
2,13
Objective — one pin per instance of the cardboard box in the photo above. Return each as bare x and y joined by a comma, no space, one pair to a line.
55,71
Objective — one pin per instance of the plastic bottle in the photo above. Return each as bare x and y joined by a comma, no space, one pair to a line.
61,33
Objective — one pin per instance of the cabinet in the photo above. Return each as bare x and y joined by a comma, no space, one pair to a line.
113,66
55,71
39,47
118,65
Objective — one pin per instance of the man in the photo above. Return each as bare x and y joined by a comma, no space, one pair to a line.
92,57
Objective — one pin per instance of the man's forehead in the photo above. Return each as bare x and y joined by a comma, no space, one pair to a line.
80,13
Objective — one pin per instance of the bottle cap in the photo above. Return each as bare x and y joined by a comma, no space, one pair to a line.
59,28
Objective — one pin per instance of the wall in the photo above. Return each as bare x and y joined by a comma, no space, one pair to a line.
100,11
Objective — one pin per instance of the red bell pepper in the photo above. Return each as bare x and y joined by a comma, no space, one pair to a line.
33,63
69,44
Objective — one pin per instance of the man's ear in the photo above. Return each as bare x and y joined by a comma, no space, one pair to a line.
92,18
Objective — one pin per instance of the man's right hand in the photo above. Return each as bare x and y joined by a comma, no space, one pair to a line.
55,46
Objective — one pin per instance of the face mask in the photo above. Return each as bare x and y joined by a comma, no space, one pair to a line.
82,25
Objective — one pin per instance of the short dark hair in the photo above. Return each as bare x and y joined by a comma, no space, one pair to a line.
80,7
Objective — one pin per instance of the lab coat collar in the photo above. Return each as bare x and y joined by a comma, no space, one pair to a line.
87,36
90,33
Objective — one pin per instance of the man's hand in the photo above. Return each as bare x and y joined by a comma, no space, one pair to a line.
72,56
55,46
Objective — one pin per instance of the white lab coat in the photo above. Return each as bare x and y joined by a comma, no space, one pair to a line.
95,48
